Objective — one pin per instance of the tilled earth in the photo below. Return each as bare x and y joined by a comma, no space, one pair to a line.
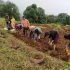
42,44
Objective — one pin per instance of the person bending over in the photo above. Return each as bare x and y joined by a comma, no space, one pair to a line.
67,37
35,32
18,26
53,37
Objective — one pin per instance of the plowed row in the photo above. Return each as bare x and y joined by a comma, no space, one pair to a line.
42,44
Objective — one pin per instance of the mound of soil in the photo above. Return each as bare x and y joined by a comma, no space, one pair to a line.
37,58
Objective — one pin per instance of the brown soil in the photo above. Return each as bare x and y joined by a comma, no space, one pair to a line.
42,44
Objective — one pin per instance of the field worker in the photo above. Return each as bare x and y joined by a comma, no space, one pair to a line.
25,24
67,37
31,28
35,32
46,34
18,26
13,22
8,22
53,38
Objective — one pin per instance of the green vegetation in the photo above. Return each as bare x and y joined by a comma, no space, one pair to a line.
19,59
8,8
2,22
35,14
13,58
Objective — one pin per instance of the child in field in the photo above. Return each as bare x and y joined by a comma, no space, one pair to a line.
35,32
67,37
53,37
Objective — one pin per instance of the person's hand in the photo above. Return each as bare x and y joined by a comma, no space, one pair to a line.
51,44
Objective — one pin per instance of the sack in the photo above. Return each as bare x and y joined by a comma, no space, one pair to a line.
5,28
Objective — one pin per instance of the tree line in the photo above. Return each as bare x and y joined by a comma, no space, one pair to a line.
37,15
62,18
33,13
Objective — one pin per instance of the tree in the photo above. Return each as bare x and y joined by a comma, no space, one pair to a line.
1,7
51,19
30,13
35,14
62,18
68,20
10,9
1,1
41,15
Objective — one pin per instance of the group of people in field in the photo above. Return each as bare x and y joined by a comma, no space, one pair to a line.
35,32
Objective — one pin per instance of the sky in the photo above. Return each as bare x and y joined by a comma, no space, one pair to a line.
50,6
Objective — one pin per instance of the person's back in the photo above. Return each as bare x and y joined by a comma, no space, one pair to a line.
38,29
31,28
18,26
53,34
37,33
25,22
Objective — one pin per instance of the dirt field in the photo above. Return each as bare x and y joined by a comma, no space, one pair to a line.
42,45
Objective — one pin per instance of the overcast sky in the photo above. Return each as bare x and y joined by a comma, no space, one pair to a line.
50,6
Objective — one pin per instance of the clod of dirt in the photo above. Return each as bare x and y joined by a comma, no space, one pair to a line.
15,47
37,58
2,35
54,53
31,68
50,47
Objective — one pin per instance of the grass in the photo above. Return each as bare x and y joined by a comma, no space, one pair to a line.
2,22
19,59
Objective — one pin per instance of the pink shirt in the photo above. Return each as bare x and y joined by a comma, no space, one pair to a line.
31,28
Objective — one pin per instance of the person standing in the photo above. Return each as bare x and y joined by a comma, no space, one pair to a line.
25,23
8,22
13,22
